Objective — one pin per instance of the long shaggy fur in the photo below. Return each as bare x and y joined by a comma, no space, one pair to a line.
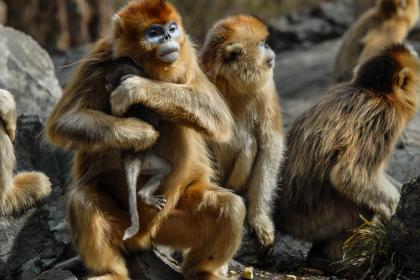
338,150
191,107
24,190
237,65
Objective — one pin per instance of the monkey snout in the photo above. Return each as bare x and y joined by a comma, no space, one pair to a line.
270,62
168,52
271,59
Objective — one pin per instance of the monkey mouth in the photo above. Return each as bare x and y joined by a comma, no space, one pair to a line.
170,56
270,63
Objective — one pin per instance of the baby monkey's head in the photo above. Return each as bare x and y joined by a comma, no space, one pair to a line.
236,49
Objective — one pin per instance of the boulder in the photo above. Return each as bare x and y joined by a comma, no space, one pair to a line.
404,229
305,28
27,72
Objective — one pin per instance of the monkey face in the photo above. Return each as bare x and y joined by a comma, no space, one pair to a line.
237,47
164,38
149,32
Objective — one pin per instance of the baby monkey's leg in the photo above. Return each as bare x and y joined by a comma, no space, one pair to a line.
132,165
158,168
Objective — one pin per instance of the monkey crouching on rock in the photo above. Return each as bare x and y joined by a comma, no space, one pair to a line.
338,151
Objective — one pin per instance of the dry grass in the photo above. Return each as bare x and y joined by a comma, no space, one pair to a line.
368,253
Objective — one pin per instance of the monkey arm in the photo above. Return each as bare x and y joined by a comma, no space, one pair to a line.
362,187
82,128
8,113
196,104
263,181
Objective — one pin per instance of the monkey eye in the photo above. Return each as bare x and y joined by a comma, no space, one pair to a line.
173,27
264,45
153,33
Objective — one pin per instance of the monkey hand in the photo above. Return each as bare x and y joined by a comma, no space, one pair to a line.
122,96
387,210
263,228
8,113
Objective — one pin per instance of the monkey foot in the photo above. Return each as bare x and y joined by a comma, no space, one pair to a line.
263,229
131,231
155,201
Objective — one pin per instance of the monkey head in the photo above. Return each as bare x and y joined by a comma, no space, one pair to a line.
118,69
394,73
150,32
238,46
402,8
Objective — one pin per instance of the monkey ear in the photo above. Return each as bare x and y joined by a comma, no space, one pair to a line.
117,26
233,50
404,77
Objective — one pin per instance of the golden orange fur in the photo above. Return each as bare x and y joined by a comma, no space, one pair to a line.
389,21
24,190
238,61
200,218
338,152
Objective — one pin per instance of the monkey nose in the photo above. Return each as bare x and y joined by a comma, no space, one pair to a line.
270,62
167,37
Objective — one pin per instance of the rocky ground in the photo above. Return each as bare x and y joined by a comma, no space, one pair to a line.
36,245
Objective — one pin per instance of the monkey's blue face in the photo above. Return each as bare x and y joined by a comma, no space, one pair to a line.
165,38
267,53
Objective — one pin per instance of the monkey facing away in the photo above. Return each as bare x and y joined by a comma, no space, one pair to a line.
142,162
201,219
389,21
238,60
24,190
338,150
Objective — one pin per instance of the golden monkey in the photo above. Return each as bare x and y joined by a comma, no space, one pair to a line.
200,218
143,162
24,190
238,60
389,21
338,151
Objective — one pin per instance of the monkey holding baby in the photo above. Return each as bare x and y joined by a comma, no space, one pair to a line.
200,218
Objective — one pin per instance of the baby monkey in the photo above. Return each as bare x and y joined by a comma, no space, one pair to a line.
141,162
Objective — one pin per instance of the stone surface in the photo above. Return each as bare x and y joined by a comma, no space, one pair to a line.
404,229
306,28
27,72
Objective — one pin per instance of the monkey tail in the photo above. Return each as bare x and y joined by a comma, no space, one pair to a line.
26,190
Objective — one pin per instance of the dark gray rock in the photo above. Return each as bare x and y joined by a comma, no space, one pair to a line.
306,28
404,229
27,72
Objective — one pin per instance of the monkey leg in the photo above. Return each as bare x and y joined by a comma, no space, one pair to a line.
132,164
208,225
96,226
25,189
332,216
159,169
